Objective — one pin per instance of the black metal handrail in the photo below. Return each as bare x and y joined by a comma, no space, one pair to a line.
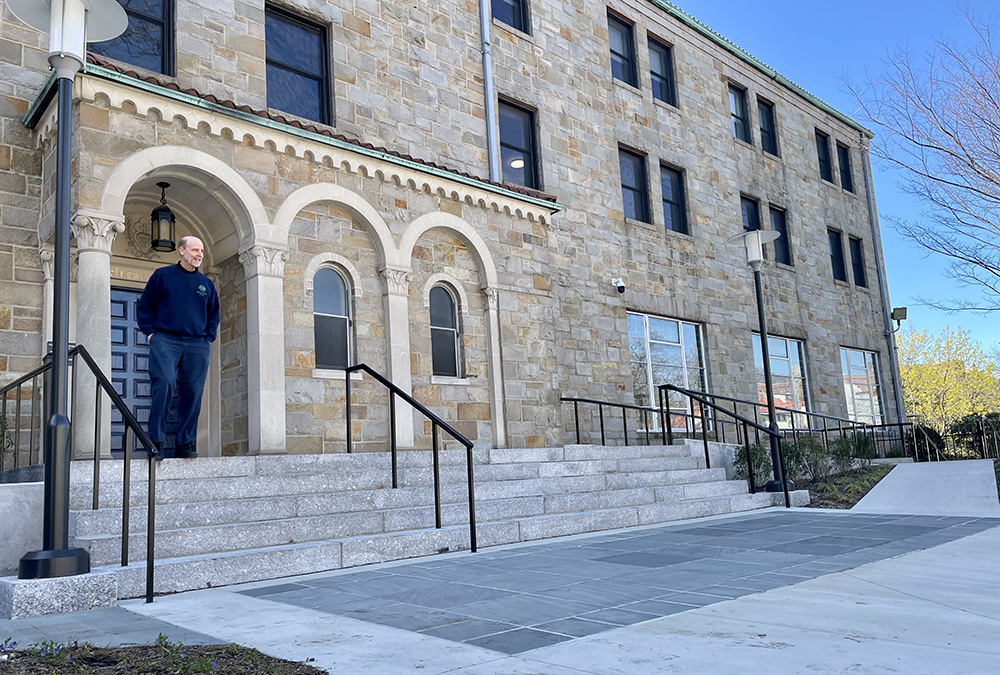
746,423
576,401
103,385
17,387
436,422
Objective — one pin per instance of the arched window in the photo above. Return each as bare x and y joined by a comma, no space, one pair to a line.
444,333
331,319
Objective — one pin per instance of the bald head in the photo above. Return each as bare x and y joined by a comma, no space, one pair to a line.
192,252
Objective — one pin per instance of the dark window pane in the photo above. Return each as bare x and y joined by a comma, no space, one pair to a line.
297,78
844,159
329,293
661,71
294,93
512,12
837,255
517,146
782,245
294,44
741,117
672,187
330,334
768,130
858,262
622,53
444,352
751,214
442,309
147,41
634,195
823,154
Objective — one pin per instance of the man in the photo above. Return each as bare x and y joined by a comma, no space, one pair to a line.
179,314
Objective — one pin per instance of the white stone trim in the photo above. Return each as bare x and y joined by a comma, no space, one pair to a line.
95,231
330,260
453,284
335,374
469,236
268,261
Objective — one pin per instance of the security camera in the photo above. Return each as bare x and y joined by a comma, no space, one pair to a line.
618,283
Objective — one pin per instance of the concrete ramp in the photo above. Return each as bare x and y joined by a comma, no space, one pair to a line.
965,487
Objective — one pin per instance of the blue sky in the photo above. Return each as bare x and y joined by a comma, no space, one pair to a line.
821,48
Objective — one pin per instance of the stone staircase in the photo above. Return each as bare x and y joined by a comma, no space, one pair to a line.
231,520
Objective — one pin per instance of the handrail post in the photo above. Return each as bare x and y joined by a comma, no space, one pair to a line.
97,445
625,424
347,404
437,476
600,410
472,500
645,420
670,423
150,528
17,424
31,417
704,434
126,493
4,413
663,422
784,476
576,420
746,448
392,437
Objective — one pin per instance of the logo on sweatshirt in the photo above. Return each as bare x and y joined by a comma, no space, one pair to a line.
202,291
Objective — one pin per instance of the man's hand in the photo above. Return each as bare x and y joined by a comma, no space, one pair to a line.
149,337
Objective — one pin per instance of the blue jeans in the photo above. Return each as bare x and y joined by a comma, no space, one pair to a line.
177,364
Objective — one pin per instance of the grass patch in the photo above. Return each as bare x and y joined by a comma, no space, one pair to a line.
847,489
161,658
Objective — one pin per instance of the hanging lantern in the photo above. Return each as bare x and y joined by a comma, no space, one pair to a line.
161,222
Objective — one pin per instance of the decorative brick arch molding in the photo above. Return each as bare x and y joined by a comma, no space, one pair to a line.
488,281
263,260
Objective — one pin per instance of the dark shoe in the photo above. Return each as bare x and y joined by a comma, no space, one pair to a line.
185,451
159,456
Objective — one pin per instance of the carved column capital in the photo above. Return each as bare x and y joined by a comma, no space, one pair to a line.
95,231
491,295
48,258
264,261
397,280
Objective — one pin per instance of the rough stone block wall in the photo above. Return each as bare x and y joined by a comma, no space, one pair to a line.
231,286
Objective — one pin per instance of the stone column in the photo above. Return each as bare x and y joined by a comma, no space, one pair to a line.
265,265
210,418
94,232
396,288
48,258
492,297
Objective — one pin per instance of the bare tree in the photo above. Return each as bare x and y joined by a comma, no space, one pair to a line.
939,122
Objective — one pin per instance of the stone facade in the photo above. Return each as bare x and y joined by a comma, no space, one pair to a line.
539,317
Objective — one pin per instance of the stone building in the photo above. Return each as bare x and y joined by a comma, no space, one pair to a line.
329,152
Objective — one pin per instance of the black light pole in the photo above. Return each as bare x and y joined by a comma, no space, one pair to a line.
754,241
65,21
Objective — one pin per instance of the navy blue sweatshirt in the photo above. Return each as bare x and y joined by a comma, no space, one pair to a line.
179,302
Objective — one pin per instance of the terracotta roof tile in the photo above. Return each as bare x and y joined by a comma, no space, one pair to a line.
281,119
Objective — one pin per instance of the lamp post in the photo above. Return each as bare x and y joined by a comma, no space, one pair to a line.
66,23
753,241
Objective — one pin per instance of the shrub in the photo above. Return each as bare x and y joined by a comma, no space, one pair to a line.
813,458
842,454
760,459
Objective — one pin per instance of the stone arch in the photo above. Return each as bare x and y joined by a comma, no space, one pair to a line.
251,218
464,231
453,284
325,260
351,201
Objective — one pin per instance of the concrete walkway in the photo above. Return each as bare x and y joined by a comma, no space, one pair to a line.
801,591
935,488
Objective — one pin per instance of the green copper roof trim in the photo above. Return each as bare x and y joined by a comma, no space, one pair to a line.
689,20
41,102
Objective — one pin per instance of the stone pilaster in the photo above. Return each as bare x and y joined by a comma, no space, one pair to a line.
264,267
491,296
94,232
397,334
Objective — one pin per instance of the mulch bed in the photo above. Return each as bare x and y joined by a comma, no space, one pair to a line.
845,490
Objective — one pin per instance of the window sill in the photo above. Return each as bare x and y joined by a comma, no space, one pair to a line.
444,379
785,266
745,144
671,107
335,374
845,284
512,30
627,87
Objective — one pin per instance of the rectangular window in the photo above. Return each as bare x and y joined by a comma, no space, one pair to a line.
823,153
782,245
672,187
635,195
148,42
837,255
862,387
665,351
740,114
858,262
514,13
751,214
788,379
844,159
661,71
768,129
622,51
518,157
298,80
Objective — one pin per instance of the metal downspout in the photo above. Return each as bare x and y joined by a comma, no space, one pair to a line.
492,146
882,286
